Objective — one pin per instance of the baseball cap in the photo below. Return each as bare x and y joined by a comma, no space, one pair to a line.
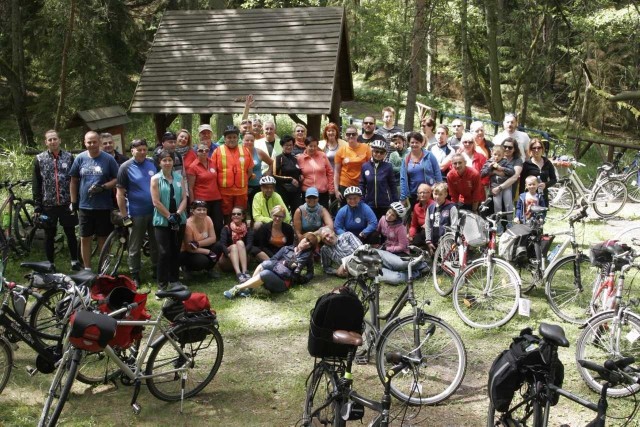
204,127
231,129
311,192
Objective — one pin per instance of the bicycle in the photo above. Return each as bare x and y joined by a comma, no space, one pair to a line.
429,339
115,246
538,392
627,174
570,278
486,293
17,218
330,400
607,196
614,333
171,371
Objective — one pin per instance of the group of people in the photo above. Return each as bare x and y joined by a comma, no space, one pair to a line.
214,205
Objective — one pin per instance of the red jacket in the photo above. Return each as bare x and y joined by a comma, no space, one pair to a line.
467,188
417,217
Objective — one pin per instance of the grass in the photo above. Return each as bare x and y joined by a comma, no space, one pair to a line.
262,378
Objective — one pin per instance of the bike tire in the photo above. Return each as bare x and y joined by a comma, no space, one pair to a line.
112,253
530,276
609,198
44,318
446,265
23,224
630,235
362,290
568,296
442,354
6,362
164,356
562,202
334,207
605,336
487,305
320,408
524,415
633,186
60,387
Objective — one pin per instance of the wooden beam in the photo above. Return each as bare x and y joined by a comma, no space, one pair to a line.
313,127
298,120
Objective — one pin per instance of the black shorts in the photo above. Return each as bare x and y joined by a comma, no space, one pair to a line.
62,214
95,222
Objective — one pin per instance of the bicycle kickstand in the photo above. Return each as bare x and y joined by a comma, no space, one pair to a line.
134,404
183,382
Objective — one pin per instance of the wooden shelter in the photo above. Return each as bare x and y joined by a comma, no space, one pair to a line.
293,60
104,119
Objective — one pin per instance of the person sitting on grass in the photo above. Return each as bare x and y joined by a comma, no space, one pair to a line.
273,235
443,213
197,252
283,270
265,201
236,241
529,198
418,215
311,215
393,231
357,217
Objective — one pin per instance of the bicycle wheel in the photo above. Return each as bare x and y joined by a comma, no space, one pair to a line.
6,362
60,387
111,253
530,276
23,225
334,207
633,186
443,359
446,265
320,409
630,235
569,285
607,336
562,201
361,289
609,198
97,368
202,344
45,317
486,295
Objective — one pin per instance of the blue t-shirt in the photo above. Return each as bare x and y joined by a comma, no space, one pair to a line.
135,178
89,171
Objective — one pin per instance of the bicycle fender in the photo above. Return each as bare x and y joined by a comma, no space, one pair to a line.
557,261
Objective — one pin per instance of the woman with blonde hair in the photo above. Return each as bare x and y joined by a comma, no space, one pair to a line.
273,236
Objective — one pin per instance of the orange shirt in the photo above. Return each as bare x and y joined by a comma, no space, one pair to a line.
234,167
351,161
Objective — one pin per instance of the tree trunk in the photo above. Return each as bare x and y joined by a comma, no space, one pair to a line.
496,108
465,63
63,67
15,74
419,31
186,122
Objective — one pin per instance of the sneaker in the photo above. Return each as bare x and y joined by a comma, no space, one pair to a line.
246,275
241,277
76,265
231,293
245,293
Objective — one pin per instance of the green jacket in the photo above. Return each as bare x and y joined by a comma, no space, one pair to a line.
261,208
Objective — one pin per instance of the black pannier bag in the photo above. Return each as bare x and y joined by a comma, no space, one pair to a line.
509,370
340,309
601,254
513,242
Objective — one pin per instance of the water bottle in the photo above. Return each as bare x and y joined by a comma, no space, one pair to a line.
19,304
553,253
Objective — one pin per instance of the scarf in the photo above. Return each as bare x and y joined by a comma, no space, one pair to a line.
300,144
182,150
310,216
238,231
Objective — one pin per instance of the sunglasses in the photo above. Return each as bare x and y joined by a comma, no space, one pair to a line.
201,150
536,148
468,142
350,134
236,213
379,152
369,123
456,126
508,147
299,130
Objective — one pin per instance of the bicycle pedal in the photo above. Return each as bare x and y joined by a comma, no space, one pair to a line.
31,371
469,301
136,408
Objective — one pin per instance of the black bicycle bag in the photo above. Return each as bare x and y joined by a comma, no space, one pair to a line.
510,369
340,309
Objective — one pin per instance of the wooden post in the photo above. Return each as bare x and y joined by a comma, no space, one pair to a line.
313,125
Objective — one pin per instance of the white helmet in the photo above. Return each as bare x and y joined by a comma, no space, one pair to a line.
399,209
267,180
353,190
378,144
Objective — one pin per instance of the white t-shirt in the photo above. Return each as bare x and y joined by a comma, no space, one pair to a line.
522,138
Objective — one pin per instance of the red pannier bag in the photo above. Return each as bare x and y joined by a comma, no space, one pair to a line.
91,331
198,302
113,293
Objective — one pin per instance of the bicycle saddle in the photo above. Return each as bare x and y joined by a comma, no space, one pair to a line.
553,334
83,277
538,209
179,293
39,266
347,337
606,167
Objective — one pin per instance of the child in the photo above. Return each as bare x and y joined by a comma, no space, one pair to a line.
498,169
439,214
529,198
391,227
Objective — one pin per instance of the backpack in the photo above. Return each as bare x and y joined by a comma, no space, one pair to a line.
510,369
513,242
340,309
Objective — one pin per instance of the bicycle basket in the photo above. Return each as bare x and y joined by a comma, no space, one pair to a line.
118,298
474,229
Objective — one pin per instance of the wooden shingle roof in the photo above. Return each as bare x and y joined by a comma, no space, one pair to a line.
99,118
293,60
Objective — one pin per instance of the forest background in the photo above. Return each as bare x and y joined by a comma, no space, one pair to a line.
574,60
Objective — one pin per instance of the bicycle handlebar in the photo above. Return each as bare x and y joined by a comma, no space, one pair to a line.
613,371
